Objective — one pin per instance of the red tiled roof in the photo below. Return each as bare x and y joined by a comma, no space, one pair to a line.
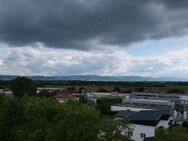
64,95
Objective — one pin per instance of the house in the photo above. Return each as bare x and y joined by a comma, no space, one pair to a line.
145,123
7,92
64,95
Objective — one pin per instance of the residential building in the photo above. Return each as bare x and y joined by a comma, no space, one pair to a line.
64,95
145,123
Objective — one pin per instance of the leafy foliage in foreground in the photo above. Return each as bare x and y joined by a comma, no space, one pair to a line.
44,119
176,133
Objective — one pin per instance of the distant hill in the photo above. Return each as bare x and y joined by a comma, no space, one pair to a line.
95,78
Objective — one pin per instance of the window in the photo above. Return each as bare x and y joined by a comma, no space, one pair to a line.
142,135
160,127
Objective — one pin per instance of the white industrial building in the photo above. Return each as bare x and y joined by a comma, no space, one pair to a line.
148,112
121,107
145,123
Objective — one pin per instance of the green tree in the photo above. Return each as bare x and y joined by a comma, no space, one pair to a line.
104,104
112,130
185,124
11,111
80,123
117,89
102,90
82,99
44,119
71,88
177,133
23,86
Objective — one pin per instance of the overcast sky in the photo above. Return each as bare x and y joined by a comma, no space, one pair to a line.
101,37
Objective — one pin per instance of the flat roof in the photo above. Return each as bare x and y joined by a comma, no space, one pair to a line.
146,117
145,106
147,101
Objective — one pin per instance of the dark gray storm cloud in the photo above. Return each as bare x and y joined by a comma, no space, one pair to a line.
78,24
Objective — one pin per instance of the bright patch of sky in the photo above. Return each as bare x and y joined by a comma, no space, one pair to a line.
155,47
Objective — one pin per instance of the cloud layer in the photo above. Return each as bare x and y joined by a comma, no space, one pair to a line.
90,24
71,37
45,61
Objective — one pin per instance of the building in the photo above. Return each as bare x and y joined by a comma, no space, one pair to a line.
93,96
153,101
135,108
150,111
49,89
7,92
64,95
145,123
